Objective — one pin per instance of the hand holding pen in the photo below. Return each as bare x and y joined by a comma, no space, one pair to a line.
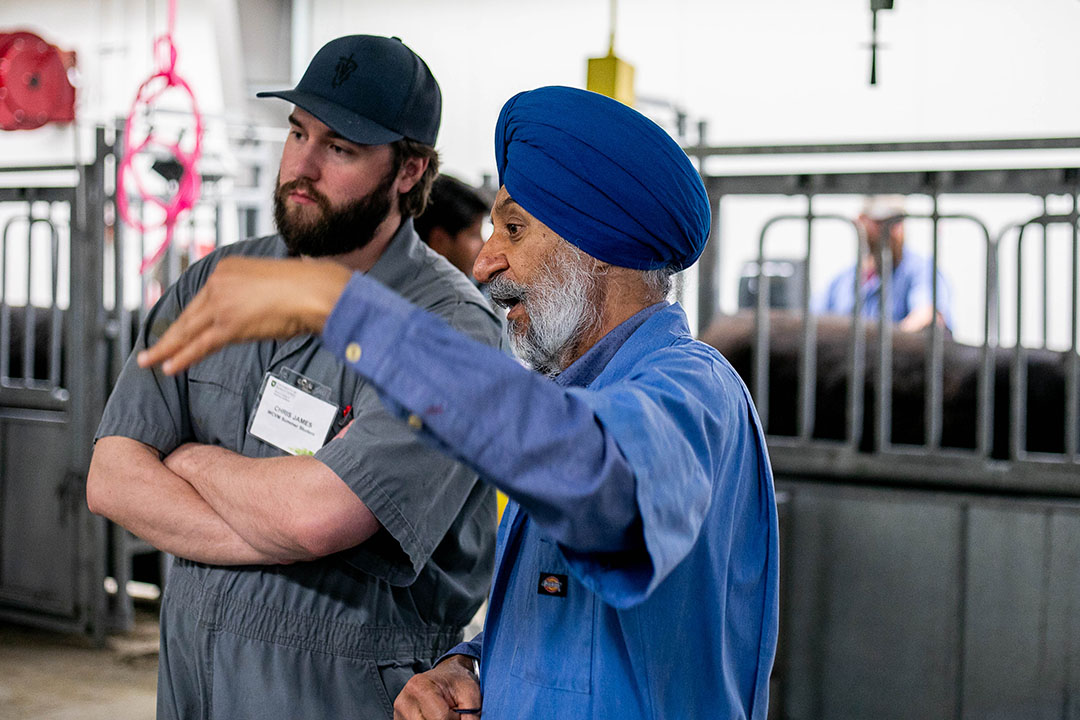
448,691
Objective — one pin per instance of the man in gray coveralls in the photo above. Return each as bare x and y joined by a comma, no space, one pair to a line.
323,554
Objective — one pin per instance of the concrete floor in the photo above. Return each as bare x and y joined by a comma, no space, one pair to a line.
52,676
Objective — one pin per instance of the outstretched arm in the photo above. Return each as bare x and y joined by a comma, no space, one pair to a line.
250,299
130,485
626,521
246,299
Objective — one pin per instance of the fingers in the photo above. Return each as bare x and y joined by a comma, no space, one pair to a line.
208,323
466,694
205,343
438,695
187,340
249,299
423,699
173,340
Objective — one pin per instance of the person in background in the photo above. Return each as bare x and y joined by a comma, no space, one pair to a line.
911,293
453,222
324,553
637,562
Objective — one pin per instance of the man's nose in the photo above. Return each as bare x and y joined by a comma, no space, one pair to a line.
489,262
304,163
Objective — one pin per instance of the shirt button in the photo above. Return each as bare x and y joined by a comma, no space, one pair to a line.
415,422
352,352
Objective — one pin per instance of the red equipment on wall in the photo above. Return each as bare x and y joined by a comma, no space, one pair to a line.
34,86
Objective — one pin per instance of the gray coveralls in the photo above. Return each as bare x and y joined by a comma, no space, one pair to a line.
337,637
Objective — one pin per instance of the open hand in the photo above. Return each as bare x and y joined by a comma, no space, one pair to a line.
249,299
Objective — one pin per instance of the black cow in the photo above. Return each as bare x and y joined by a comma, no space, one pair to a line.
1045,392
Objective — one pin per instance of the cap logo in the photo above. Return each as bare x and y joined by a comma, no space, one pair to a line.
344,68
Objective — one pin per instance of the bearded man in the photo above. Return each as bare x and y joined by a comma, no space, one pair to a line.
636,564
323,553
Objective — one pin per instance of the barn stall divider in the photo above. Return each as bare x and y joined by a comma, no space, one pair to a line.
929,488
71,300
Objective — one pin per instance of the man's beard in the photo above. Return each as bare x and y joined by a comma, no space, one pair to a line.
562,304
335,231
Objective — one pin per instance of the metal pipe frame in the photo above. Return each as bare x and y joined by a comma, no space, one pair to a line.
807,355
1060,143
28,380
1023,473
1018,370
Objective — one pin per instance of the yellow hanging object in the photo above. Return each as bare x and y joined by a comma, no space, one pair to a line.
611,76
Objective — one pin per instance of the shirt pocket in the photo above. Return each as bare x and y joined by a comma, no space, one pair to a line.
554,635
216,402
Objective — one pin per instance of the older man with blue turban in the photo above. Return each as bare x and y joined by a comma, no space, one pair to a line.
636,564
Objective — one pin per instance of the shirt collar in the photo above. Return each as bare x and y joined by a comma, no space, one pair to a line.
396,262
587,367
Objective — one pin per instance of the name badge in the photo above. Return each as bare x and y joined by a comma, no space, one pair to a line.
292,413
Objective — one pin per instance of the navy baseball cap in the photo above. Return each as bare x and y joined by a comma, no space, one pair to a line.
370,90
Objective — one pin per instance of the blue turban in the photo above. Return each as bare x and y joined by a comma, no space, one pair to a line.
603,176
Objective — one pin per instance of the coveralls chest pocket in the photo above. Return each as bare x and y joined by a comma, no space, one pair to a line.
554,635
218,400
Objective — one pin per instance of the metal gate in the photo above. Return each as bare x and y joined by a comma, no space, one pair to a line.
52,388
919,578
71,299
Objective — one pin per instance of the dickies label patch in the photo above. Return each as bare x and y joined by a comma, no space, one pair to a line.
552,584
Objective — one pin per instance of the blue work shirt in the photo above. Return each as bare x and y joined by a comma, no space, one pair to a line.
637,562
911,289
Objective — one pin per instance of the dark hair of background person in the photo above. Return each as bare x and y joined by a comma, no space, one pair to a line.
452,206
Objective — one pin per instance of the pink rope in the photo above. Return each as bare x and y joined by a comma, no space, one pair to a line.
188,191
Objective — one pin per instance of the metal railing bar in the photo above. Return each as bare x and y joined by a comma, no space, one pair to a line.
1018,374
1057,143
808,371
1072,366
856,399
56,319
933,369
1045,276
884,378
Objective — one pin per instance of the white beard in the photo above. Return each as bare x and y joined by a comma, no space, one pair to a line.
562,307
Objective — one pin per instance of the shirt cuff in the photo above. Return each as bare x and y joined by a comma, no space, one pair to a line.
469,648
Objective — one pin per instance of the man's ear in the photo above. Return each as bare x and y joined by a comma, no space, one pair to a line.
410,173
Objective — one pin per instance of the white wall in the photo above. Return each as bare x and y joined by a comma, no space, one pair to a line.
768,71
765,71
772,72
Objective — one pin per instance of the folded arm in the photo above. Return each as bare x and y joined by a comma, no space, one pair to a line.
129,484
212,505
293,508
